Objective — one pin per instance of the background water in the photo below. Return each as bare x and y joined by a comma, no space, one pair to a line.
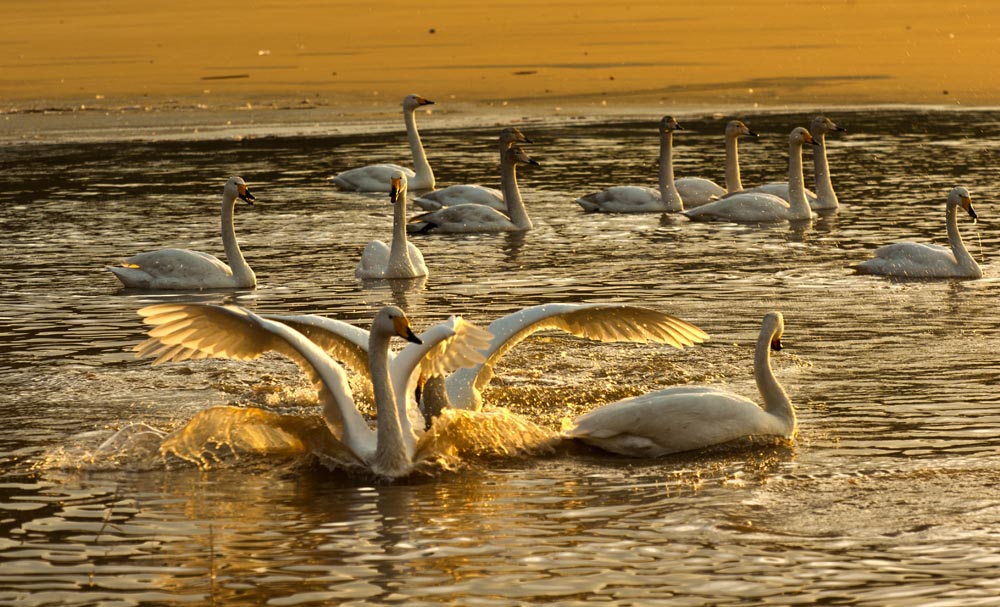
888,496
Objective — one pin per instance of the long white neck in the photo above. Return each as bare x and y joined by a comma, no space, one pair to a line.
668,191
400,263
391,454
512,195
733,181
776,401
243,276
962,256
825,196
424,178
798,204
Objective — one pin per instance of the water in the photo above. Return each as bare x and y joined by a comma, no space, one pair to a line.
888,495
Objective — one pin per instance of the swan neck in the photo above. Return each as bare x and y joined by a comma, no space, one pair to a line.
797,201
733,181
400,263
512,195
242,274
668,191
424,178
390,454
962,255
776,401
824,186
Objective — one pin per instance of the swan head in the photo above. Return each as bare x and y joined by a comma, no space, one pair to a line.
517,155
237,188
511,135
390,321
411,102
668,124
801,136
774,325
961,197
397,186
736,128
821,125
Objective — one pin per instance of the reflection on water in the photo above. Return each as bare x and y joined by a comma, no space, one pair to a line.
886,497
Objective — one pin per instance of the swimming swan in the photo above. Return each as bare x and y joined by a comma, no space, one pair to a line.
376,177
187,269
693,417
917,260
750,207
696,191
639,199
194,331
481,218
474,194
400,258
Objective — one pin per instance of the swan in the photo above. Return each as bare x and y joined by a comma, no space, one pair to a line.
481,218
917,260
375,177
751,207
193,331
639,199
187,269
825,199
400,259
696,191
475,194
685,418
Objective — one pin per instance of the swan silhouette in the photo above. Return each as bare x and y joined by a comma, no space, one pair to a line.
172,269
686,418
400,258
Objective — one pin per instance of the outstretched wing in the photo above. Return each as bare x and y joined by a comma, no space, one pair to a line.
342,341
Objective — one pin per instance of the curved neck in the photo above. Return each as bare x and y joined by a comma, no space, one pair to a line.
824,187
242,274
390,454
776,401
512,195
962,255
733,181
668,191
399,250
424,175
798,204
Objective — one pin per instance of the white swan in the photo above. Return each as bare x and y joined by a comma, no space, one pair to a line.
639,199
917,260
187,269
693,417
481,218
474,194
181,332
825,199
400,259
750,207
696,191
375,177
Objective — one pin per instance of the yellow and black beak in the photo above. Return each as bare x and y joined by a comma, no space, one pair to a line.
423,101
967,205
402,326
394,189
245,194
809,139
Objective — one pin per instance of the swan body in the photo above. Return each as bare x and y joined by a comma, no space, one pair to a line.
696,191
918,260
638,199
186,269
400,258
192,331
481,218
688,418
752,207
377,177
473,194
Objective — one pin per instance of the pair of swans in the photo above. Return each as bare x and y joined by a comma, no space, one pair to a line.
918,260
400,258
377,177
172,269
686,418
471,217
672,194
760,207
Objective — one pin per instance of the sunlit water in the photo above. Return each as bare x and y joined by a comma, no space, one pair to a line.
888,496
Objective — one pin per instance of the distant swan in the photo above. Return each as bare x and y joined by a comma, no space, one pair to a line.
750,207
185,269
481,218
473,194
639,199
825,199
375,177
181,332
917,260
685,418
400,258
696,191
